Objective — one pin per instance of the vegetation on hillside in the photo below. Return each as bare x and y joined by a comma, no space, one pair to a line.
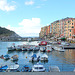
6,32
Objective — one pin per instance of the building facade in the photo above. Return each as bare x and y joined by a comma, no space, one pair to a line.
60,28
45,32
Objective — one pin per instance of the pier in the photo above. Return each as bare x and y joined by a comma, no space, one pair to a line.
69,47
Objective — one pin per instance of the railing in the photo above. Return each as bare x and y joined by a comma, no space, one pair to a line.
62,67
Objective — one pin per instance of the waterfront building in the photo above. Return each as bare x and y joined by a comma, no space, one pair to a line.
60,28
45,32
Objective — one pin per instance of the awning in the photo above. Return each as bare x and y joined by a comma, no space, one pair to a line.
63,38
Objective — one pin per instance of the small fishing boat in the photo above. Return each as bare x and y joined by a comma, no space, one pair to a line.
3,68
54,69
13,68
48,48
12,48
42,49
29,48
6,57
65,43
43,43
36,48
34,58
18,48
26,68
14,57
44,57
59,49
38,68
24,49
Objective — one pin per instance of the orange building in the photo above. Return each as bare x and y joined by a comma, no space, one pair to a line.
60,28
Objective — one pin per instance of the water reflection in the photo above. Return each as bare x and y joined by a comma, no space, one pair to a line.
10,52
70,56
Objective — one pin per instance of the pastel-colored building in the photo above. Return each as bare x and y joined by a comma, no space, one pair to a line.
64,28
60,28
45,32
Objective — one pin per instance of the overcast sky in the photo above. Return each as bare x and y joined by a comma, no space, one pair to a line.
26,17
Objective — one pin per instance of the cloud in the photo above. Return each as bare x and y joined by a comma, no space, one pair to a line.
27,27
38,7
6,6
29,2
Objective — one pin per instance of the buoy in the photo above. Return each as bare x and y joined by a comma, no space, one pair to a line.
48,51
26,56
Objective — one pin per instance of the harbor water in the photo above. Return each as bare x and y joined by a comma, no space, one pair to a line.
64,60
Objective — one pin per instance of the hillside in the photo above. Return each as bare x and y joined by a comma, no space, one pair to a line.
7,33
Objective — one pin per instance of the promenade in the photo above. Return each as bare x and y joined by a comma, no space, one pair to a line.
38,73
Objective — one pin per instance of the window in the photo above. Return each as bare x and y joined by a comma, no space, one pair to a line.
70,34
72,26
40,67
72,23
70,30
36,67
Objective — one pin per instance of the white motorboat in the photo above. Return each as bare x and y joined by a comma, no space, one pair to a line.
42,49
24,49
34,58
12,48
59,49
54,69
38,68
44,57
48,48
36,48
65,43
18,48
14,58
13,68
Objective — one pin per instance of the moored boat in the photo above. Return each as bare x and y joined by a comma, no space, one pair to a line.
18,48
26,68
54,69
3,68
43,43
14,57
13,68
12,48
38,68
24,49
48,48
59,49
42,49
6,57
44,57
34,58
36,48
